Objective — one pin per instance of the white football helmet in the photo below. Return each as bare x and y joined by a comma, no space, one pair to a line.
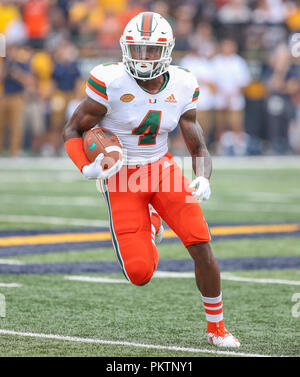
147,43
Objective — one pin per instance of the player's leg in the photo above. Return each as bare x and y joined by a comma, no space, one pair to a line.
236,121
206,269
208,282
3,120
174,203
157,228
183,214
130,227
16,124
59,104
220,123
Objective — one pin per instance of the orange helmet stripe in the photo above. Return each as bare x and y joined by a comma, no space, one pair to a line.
147,24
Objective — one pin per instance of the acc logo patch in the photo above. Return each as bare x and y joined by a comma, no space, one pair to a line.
127,97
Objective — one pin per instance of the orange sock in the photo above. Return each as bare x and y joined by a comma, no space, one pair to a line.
213,307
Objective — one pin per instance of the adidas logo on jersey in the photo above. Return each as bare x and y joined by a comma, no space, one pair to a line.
171,99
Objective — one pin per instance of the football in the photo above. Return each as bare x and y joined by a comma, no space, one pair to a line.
101,140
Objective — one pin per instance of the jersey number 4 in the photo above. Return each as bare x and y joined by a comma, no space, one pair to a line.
148,128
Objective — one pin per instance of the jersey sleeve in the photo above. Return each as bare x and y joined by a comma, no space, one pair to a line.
192,93
97,87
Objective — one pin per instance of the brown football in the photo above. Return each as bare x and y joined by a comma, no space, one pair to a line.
101,140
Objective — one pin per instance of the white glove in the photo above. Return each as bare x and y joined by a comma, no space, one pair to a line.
202,188
94,170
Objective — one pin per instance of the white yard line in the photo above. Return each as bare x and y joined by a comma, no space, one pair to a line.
170,274
218,205
272,196
20,193
228,276
180,275
256,162
52,220
128,344
53,200
219,162
36,163
47,175
17,177
91,279
10,285
11,262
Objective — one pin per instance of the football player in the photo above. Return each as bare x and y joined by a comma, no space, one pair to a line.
141,100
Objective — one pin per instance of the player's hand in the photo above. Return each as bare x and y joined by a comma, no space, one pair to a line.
95,171
202,188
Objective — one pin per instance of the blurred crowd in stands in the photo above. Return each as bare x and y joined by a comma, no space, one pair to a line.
244,53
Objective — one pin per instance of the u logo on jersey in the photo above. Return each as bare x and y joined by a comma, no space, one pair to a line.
152,100
127,97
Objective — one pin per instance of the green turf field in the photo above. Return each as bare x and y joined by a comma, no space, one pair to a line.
51,315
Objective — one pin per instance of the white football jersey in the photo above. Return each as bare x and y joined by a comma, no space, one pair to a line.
141,120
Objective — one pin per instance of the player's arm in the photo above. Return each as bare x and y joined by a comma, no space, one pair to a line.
85,117
201,159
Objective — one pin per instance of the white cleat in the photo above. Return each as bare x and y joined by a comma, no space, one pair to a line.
156,235
159,235
222,338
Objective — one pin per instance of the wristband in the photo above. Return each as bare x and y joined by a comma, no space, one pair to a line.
74,148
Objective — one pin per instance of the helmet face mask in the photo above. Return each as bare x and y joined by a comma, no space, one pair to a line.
143,52
147,44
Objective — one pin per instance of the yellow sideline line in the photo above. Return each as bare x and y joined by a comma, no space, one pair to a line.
248,229
54,238
104,236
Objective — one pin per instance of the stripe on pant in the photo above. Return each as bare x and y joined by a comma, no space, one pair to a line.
115,243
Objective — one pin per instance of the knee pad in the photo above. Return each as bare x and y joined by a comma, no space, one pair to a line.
139,271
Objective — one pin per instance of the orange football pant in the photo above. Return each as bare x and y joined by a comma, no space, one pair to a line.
127,195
